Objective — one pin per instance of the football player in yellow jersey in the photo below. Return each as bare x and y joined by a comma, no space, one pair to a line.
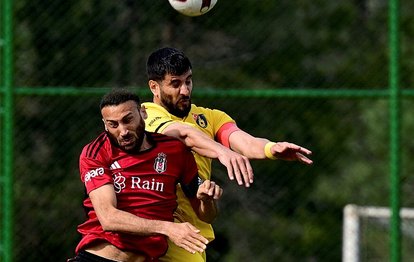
169,74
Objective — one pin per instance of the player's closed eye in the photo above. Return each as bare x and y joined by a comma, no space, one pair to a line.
127,120
112,124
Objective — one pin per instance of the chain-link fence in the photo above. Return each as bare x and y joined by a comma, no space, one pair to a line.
311,73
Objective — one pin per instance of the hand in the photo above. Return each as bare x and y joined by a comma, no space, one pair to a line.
237,166
291,152
209,191
187,236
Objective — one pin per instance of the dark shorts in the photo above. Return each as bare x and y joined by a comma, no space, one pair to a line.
84,256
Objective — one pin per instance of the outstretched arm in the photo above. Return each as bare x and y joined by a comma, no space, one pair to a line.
261,148
238,166
104,203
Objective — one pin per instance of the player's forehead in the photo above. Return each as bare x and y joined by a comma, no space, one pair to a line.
171,77
120,111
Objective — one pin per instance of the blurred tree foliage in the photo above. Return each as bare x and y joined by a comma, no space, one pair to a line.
292,212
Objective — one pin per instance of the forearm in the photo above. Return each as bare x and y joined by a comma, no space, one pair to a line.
262,148
205,203
112,219
248,146
208,211
183,235
121,221
198,141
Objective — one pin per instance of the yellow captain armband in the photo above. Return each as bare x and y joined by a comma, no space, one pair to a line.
267,151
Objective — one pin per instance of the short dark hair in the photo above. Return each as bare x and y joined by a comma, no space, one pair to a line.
118,96
167,60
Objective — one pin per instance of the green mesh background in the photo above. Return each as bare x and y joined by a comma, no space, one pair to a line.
239,50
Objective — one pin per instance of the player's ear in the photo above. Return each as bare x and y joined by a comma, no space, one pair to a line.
106,129
154,87
143,112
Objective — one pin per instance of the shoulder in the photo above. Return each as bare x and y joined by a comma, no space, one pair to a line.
157,117
151,107
196,108
215,116
206,110
100,145
166,141
158,137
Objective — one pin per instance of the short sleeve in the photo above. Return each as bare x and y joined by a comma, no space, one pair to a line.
224,133
93,173
157,118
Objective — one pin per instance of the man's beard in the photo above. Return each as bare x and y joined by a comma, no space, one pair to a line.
174,109
138,140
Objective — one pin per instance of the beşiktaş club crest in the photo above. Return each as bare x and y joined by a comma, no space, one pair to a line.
201,120
160,164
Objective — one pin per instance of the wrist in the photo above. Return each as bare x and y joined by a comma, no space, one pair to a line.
267,150
163,227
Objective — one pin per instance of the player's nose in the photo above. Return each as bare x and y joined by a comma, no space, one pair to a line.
123,130
185,90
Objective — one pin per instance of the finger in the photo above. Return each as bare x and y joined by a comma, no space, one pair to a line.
206,184
211,188
304,159
230,171
191,247
244,173
300,149
193,228
305,151
236,172
218,192
196,237
204,189
196,243
249,169
199,240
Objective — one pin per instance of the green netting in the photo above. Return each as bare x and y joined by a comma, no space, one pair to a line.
312,73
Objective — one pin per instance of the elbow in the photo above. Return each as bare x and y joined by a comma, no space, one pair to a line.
187,138
107,222
107,225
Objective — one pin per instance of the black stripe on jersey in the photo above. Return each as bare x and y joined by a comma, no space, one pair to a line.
161,125
95,146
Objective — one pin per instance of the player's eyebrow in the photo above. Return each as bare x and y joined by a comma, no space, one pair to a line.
118,120
177,79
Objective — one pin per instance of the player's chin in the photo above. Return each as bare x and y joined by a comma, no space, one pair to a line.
127,146
184,106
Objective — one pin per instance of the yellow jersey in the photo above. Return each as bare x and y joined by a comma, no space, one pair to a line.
208,121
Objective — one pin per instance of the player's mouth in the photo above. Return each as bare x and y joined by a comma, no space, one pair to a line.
184,101
127,142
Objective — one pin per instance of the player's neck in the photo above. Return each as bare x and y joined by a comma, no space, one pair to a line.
146,143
